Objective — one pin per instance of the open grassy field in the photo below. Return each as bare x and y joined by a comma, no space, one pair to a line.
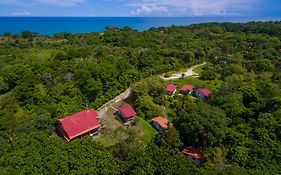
115,131
199,69
170,73
210,84
148,131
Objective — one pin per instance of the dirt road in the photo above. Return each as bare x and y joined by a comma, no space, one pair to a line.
188,73
102,110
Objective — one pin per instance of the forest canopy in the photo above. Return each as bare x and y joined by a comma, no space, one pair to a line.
45,78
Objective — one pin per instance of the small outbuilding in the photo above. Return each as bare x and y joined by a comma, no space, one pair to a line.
171,88
203,93
185,88
126,112
79,124
195,154
160,123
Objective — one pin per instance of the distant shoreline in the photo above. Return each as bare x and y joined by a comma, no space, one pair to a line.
74,25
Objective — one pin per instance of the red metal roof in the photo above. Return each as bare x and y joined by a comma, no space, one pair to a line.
171,88
79,123
187,87
197,153
205,92
163,122
127,110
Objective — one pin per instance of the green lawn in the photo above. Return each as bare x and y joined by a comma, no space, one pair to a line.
115,131
148,131
110,137
210,84
169,74
198,69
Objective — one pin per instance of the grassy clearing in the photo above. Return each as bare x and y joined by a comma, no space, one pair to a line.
115,131
148,131
169,74
199,69
109,137
210,84
143,131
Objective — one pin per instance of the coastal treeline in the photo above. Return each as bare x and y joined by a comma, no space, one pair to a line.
45,78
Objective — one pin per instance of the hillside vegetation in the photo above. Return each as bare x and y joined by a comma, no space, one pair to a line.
45,78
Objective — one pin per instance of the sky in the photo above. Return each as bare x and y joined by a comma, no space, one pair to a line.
143,8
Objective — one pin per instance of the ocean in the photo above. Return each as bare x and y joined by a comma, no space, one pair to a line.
52,25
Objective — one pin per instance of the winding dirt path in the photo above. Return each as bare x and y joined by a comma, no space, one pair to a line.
103,109
189,72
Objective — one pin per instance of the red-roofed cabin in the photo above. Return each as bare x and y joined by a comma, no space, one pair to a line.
79,124
203,93
195,154
186,88
171,88
160,123
126,112
279,51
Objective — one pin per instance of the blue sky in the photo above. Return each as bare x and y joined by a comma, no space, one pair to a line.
261,8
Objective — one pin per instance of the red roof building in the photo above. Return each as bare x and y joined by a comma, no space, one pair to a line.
196,154
203,93
127,112
160,123
171,88
186,87
79,124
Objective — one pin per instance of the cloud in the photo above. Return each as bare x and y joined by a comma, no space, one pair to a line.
194,7
148,10
24,13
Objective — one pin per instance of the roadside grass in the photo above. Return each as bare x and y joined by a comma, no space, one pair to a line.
170,73
148,131
210,84
199,69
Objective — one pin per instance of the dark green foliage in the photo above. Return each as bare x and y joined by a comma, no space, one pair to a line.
45,78
38,153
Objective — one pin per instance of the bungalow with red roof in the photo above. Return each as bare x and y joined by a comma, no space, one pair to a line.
160,123
195,154
203,93
279,51
79,124
186,88
171,88
126,112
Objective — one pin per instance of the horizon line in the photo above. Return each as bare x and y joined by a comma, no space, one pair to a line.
214,16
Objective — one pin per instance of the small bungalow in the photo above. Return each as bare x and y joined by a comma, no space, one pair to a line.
195,154
279,51
203,93
185,88
126,112
160,123
79,124
171,88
